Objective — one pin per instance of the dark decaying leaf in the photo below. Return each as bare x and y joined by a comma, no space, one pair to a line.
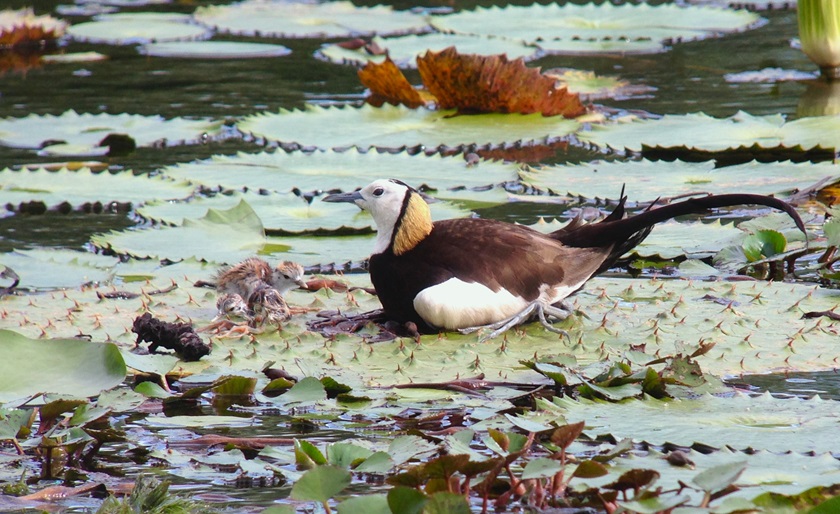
634,479
178,337
388,84
566,435
481,84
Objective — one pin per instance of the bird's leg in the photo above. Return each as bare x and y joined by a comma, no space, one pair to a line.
560,311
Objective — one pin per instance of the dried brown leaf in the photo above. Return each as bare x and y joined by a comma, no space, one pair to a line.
388,84
482,84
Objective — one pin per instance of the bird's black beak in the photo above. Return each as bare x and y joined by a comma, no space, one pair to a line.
344,197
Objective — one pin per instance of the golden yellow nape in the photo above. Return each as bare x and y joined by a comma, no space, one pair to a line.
414,226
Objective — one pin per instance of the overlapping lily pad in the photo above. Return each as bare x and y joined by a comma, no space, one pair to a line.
324,171
647,180
213,50
56,269
391,127
132,28
84,132
77,187
404,50
553,26
703,133
308,20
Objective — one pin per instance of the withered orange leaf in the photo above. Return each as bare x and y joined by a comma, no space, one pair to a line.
388,84
481,84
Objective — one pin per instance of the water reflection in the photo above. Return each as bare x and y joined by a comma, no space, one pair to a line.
826,384
821,98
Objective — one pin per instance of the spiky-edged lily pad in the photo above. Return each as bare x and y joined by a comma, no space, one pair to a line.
22,27
648,180
213,50
308,20
740,422
78,187
132,28
56,269
87,130
695,240
71,367
324,171
390,127
283,212
700,132
557,23
404,50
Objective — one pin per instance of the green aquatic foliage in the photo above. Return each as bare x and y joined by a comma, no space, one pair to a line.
213,50
133,28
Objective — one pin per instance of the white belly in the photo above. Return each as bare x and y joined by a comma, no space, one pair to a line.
457,304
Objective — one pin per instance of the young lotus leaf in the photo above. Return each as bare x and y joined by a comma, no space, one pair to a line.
649,180
390,127
56,268
21,27
133,28
346,171
741,421
88,130
284,213
703,133
79,186
555,23
309,20
68,366
222,236
213,50
405,50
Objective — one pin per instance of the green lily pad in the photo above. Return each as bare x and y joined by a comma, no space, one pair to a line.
321,483
346,171
590,86
198,421
56,268
559,24
308,20
397,127
648,180
404,50
132,28
213,50
85,131
696,240
77,187
68,366
703,133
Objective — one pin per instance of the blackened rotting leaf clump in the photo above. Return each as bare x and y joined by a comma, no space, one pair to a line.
178,337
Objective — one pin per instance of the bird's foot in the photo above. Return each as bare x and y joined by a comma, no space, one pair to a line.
559,311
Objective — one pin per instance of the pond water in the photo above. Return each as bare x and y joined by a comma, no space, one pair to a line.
687,78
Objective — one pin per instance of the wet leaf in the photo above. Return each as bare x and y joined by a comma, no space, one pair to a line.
67,366
764,244
320,484
304,20
719,477
493,84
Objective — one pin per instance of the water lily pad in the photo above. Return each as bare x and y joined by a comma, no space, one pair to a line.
404,50
56,268
133,28
650,24
75,57
308,20
68,366
696,240
701,132
590,86
346,171
87,130
648,180
390,127
77,187
213,50
771,75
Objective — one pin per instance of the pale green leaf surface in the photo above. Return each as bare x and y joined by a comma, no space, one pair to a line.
391,127
700,131
321,483
85,186
198,421
131,28
660,23
541,468
158,364
87,130
404,50
213,50
368,504
58,268
68,366
648,180
308,20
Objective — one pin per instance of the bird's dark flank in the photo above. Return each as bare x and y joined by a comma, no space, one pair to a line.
461,273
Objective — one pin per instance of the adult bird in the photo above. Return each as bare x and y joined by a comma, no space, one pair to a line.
467,273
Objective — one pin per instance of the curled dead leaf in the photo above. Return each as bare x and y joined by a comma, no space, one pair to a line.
388,84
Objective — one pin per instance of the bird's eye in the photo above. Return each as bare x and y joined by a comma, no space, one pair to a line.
378,191
285,276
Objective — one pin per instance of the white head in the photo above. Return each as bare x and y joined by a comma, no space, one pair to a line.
287,276
392,204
